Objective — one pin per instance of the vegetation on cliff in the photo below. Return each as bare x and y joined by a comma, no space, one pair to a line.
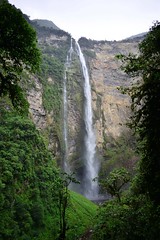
31,185
35,202
28,179
137,215
18,52
51,77
119,153
32,190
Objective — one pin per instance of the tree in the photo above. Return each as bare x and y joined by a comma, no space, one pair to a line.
63,197
3,1
115,182
18,52
145,95
28,180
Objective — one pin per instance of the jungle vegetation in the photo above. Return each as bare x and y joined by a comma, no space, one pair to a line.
18,52
136,213
35,202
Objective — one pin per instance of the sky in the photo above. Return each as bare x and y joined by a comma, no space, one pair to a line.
95,19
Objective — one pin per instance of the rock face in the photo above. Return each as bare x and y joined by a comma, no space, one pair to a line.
45,94
37,111
110,106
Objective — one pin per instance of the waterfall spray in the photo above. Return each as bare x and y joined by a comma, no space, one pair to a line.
90,161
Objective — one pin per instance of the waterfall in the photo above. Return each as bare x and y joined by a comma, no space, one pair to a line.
90,161
66,166
65,128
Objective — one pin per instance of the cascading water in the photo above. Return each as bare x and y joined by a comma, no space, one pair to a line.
66,166
90,187
65,129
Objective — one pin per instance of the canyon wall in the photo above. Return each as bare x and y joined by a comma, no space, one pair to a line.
110,106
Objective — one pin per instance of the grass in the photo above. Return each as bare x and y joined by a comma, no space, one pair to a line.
80,217
81,213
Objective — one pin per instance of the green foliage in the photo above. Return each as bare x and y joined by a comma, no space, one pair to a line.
51,77
3,1
137,216
119,153
63,198
145,95
53,68
34,197
54,50
28,180
59,53
134,218
81,215
76,213
115,182
18,51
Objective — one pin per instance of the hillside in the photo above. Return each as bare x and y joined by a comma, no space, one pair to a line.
30,185
82,214
45,23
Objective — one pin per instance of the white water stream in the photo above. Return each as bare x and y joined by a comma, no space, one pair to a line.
91,163
65,109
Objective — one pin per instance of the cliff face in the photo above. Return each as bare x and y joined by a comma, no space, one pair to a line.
36,109
45,91
110,107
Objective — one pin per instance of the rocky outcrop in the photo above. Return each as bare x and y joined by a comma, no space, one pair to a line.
37,111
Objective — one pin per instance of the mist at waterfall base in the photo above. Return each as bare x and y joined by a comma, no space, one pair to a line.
88,186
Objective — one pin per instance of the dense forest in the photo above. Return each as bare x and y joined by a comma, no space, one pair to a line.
35,200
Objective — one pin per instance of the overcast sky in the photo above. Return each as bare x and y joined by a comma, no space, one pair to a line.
95,19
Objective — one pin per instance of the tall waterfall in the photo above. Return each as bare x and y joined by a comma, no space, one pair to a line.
66,166
90,161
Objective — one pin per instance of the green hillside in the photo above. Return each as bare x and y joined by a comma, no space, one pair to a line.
30,185
81,215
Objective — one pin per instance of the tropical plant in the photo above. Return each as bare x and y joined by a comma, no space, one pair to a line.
28,179
145,95
63,198
115,182
135,217
18,52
